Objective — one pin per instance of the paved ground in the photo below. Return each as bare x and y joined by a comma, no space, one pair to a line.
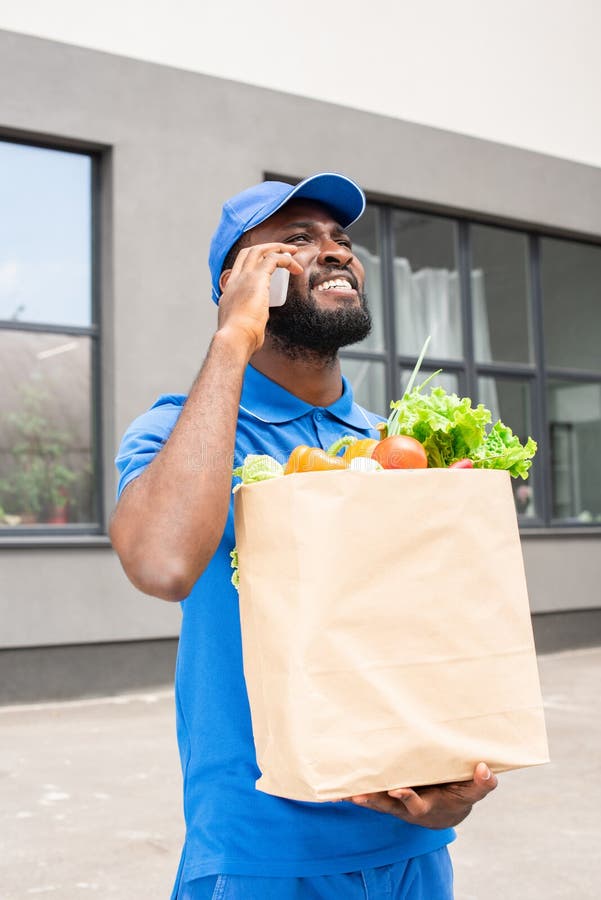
90,801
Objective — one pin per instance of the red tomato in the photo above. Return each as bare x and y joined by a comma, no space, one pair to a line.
400,452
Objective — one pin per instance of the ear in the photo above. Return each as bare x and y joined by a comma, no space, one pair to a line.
223,279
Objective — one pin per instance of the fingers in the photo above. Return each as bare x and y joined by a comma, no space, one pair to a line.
468,792
436,806
269,256
416,805
484,779
407,805
246,285
380,802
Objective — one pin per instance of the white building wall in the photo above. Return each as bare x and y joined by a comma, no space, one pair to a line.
520,72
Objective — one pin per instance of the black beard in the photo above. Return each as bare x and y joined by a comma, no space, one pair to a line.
301,329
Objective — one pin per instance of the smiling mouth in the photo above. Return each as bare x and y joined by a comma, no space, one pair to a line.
341,285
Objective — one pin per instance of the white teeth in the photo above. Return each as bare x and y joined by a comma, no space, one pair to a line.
336,282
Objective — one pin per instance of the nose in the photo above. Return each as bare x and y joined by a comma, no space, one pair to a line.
332,252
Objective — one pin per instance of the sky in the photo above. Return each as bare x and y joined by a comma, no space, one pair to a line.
45,235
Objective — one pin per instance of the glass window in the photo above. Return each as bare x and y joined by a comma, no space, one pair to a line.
423,286
500,295
575,439
47,416
446,380
45,235
46,446
426,285
365,235
368,378
571,290
509,399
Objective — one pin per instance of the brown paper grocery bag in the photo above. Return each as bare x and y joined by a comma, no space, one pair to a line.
386,630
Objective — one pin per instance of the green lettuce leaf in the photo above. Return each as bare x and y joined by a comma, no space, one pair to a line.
502,449
450,429
235,579
447,425
258,468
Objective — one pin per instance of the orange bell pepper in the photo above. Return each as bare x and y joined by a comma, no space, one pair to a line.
362,447
312,459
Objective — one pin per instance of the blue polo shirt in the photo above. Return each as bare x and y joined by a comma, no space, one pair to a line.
232,828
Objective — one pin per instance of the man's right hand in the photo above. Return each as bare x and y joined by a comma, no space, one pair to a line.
169,521
244,303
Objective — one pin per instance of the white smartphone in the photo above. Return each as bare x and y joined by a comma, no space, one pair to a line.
278,287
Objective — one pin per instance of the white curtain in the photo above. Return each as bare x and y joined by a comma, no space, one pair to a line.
373,286
427,302
488,386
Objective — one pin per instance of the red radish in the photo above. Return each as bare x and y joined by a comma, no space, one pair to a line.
462,464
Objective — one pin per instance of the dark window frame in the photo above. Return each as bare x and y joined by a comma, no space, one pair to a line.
537,374
88,534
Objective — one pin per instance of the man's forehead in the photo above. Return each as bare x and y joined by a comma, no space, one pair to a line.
301,212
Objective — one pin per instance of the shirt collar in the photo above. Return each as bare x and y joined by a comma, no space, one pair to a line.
271,403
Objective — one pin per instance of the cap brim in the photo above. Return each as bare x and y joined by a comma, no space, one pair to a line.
343,197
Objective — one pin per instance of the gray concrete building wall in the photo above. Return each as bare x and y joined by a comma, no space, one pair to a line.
172,145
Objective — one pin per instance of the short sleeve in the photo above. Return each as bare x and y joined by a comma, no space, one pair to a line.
145,438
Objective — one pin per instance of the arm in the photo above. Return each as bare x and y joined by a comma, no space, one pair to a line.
439,806
170,519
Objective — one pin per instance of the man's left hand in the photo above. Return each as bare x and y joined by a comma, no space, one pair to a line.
437,806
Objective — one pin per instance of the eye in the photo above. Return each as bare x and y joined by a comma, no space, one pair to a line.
295,239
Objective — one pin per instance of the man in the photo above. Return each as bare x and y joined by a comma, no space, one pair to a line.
271,380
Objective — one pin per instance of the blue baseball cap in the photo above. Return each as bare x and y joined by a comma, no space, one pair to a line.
342,196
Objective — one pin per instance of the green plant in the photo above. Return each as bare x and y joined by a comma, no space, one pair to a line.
22,490
39,478
59,478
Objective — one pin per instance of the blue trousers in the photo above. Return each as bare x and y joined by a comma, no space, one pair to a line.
427,877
